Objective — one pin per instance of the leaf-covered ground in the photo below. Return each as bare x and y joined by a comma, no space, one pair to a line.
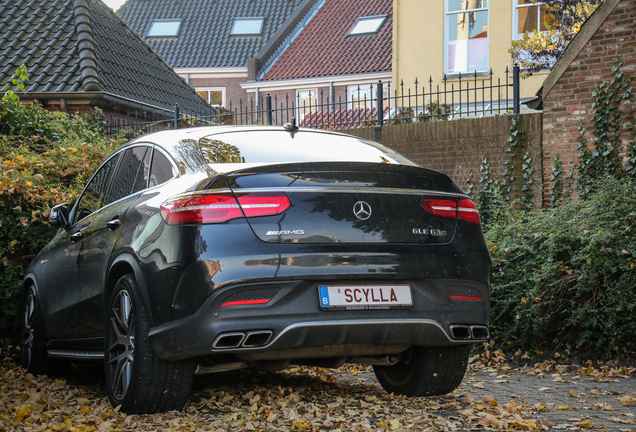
493,396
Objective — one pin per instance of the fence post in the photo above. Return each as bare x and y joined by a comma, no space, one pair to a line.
176,116
516,100
380,109
268,106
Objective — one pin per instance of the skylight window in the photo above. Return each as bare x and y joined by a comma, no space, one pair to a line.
247,26
368,25
164,28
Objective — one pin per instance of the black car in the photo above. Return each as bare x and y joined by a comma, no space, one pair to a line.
218,248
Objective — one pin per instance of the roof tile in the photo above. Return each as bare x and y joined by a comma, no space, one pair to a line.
57,36
324,48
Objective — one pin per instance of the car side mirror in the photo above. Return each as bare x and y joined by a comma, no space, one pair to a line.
59,216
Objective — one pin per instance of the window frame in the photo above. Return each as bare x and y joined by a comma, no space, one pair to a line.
447,14
361,20
246,19
178,21
211,89
515,17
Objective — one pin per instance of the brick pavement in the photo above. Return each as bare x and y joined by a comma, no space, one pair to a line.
560,400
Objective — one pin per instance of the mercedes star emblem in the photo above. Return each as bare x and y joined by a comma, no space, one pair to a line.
362,210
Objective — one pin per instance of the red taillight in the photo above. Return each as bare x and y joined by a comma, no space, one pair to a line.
222,207
464,209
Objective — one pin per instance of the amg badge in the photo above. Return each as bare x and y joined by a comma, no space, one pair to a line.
285,232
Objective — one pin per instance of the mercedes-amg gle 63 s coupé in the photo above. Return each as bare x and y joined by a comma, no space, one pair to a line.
217,248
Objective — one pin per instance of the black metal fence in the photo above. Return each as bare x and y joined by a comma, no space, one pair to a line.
462,96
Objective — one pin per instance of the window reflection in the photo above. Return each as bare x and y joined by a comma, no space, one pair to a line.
281,147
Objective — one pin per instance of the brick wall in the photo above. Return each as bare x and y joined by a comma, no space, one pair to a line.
457,147
570,99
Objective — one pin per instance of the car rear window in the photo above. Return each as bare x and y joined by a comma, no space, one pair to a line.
298,146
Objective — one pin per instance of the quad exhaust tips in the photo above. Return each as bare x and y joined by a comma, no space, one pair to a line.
252,339
469,332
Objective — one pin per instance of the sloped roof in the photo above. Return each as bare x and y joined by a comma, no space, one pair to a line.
80,48
204,39
324,47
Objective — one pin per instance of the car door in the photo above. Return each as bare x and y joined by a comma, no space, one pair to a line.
63,290
81,264
103,229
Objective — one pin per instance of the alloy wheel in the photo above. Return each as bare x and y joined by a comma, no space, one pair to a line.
121,344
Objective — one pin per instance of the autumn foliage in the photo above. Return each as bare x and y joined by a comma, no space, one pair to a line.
45,159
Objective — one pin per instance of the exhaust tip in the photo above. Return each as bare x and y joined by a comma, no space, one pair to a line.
480,332
460,332
257,338
228,340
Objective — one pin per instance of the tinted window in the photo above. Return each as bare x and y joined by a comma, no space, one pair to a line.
282,146
132,173
161,170
94,196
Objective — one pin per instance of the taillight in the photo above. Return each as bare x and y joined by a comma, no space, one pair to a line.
464,209
222,207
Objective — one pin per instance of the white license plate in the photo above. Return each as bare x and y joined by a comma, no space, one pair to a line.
365,296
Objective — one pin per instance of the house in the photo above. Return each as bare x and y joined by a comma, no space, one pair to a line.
449,37
567,92
335,52
208,42
80,55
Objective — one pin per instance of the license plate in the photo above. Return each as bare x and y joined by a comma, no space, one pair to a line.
365,296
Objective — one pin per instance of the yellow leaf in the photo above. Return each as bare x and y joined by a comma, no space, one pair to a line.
562,407
571,393
585,424
85,410
301,425
29,184
394,424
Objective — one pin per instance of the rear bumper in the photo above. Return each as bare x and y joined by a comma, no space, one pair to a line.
293,326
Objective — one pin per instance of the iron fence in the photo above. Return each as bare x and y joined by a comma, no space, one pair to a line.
460,96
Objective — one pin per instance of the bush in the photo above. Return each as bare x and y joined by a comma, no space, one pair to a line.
564,278
45,159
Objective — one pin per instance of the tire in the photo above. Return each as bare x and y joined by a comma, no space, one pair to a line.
136,379
425,371
34,357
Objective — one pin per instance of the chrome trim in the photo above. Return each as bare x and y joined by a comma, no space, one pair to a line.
310,324
75,355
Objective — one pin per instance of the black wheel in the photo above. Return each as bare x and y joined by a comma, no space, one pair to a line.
136,378
425,371
34,341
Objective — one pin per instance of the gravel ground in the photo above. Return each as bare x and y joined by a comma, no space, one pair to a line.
493,396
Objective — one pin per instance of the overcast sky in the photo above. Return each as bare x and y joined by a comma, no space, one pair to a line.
114,4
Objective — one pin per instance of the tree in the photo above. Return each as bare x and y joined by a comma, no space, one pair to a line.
561,20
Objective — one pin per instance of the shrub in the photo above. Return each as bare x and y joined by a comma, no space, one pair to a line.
45,158
564,278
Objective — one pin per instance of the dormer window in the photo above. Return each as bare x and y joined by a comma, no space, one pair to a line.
247,26
164,28
368,25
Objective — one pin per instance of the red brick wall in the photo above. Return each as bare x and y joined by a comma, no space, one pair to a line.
457,147
570,100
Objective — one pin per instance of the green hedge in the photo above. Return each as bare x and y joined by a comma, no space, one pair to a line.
45,158
565,278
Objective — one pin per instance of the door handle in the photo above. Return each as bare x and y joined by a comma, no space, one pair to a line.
113,224
76,237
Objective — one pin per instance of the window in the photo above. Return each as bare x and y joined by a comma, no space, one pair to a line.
161,170
132,175
368,25
94,196
529,16
247,26
466,36
160,28
213,95
306,101
360,97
